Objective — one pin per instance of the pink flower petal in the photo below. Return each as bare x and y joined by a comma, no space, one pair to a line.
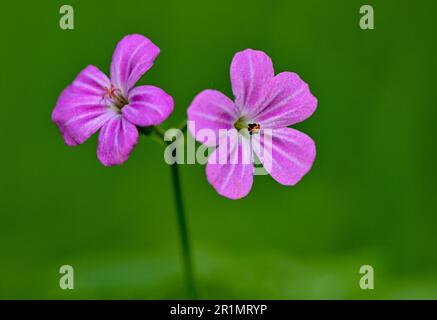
291,157
148,106
117,139
80,110
212,110
133,56
233,176
250,71
286,100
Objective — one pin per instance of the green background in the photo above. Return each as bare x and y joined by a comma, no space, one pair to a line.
369,199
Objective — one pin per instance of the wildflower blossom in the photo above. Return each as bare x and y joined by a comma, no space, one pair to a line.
264,104
93,102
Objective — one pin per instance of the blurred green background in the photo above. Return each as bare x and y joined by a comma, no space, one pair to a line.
369,199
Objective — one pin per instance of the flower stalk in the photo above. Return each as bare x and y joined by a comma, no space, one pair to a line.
183,230
181,216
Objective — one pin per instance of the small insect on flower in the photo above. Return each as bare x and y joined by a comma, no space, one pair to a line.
115,105
265,105
253,128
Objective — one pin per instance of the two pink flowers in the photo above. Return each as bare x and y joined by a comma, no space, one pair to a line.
264,103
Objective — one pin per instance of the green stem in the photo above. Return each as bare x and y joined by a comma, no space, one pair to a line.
182,126
183,230
159,132
181,216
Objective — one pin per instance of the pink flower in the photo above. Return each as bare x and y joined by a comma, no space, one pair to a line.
264,103
115,106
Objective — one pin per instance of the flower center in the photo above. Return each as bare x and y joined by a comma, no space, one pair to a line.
251,127
115,96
